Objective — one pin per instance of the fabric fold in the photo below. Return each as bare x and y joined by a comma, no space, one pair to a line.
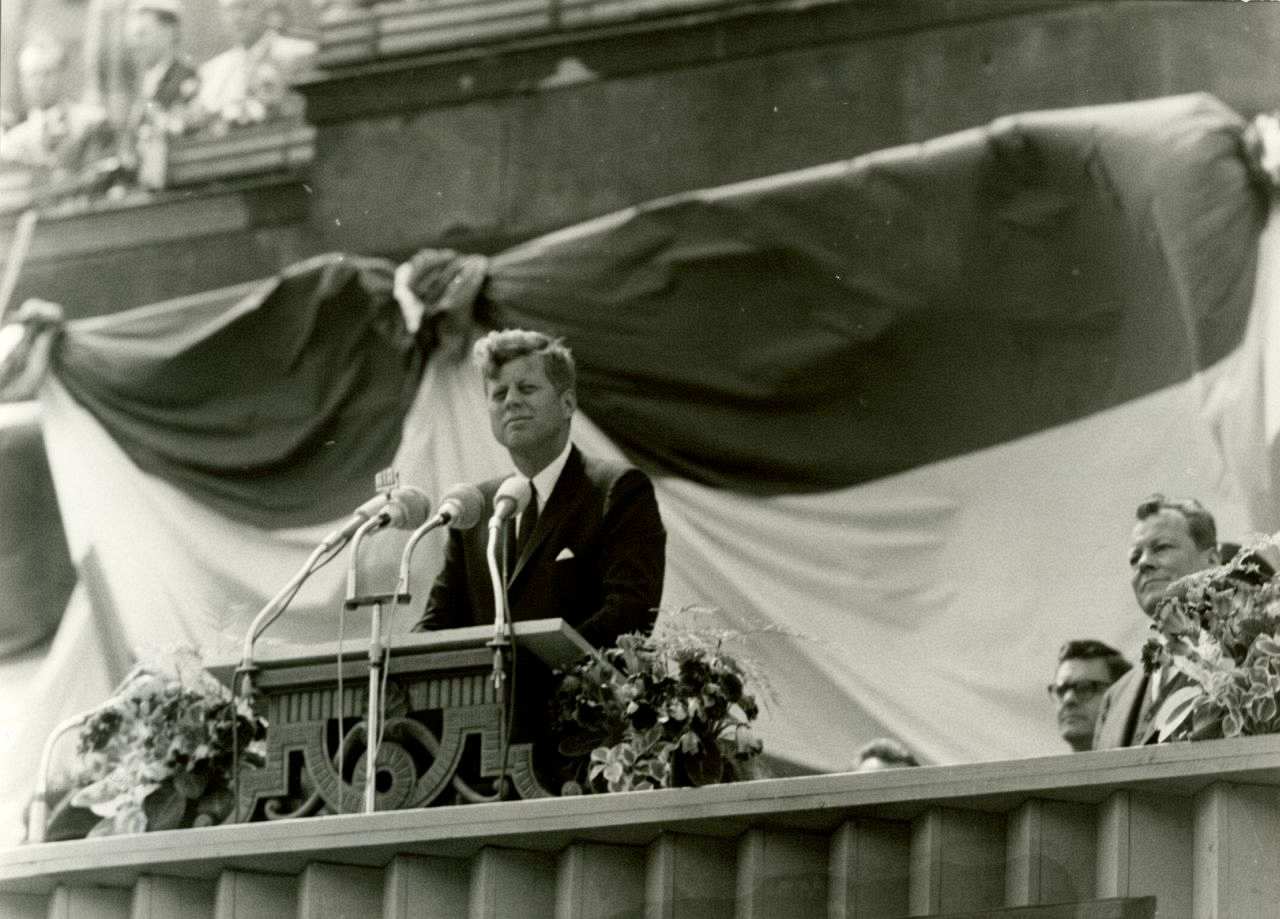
274,403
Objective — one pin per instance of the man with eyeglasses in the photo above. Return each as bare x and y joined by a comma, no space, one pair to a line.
1085,669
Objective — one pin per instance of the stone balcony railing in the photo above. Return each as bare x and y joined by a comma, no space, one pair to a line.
282,147
356,34
1177,831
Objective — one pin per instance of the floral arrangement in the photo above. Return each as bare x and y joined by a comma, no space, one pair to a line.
1219,631
160,754
655,711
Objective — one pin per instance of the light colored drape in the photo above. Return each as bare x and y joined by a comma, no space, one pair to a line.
928,605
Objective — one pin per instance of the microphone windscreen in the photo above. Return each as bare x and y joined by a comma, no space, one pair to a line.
468,506
408,507
514,489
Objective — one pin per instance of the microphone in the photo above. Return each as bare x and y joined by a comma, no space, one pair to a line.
398,507
406,508
512,498
355,521
460,508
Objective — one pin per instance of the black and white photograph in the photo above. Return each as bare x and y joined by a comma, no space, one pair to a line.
640,459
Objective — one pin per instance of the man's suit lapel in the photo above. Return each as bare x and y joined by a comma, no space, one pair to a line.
1129,705
167,90
559,508
1145,729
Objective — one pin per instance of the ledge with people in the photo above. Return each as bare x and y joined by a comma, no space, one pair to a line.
840,533
578,539
148,117
1210,667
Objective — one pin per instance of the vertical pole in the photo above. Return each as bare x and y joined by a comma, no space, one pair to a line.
372,722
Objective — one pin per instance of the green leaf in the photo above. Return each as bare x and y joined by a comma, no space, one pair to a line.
1175,710
216,804
189,784
707,768
104,827
164,808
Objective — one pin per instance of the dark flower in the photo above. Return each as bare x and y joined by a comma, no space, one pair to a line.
732,684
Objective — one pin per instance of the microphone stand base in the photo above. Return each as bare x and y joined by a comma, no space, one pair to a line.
500,647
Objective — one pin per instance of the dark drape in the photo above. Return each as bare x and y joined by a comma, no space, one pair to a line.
830,326
805,331
36,576
277,408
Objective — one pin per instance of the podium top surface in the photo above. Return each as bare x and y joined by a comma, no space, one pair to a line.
553,641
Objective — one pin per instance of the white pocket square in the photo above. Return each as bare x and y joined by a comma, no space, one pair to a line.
565,554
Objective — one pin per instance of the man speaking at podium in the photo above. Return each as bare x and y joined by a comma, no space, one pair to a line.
590,546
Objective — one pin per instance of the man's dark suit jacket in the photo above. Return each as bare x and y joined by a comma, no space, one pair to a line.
1124,718
1127,716
178,85
176,88
596,558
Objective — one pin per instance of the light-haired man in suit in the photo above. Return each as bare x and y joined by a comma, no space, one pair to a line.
1174,537
58,135
249,82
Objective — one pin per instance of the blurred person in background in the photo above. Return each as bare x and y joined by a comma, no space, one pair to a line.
166,87
167,82
883,753
58,135
249,82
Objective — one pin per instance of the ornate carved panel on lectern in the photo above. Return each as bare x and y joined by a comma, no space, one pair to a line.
446,736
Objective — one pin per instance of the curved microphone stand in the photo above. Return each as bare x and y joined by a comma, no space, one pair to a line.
275,608
38,812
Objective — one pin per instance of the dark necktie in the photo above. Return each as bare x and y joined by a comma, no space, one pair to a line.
528,521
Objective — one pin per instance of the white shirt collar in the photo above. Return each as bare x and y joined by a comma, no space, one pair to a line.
545,481
153,76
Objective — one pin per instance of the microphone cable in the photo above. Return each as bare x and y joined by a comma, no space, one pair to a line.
382,690
338,706
511,718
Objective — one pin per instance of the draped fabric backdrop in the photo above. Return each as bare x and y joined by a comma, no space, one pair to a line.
898,411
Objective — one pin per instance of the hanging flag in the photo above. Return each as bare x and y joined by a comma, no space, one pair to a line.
899,411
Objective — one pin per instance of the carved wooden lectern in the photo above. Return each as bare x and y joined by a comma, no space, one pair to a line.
446,737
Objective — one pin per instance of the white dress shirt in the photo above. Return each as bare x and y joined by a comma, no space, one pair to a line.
545,481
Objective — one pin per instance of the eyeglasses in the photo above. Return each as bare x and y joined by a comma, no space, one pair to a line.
1084,689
